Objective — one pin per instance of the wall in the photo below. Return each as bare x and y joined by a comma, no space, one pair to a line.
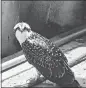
10,13
34,13
67,12
61,12
85,12
63,15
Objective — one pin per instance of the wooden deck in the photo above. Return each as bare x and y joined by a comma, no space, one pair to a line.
21,74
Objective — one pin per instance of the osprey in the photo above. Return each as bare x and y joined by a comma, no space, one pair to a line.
45,56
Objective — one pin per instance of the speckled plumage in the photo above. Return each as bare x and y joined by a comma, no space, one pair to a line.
47,58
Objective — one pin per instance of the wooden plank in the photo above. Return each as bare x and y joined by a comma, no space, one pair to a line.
70,37
80,73
21,74
23,78
75,30
76,56
73,56
16,70
13,62
19,53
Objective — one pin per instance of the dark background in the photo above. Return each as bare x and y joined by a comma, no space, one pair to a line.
48,18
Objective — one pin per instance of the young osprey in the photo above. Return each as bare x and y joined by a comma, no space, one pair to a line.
45,56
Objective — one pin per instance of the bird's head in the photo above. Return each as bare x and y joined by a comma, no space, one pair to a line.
22,31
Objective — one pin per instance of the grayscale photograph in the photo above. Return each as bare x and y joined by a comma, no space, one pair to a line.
43,43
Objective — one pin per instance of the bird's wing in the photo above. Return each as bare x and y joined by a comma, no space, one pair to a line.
46,57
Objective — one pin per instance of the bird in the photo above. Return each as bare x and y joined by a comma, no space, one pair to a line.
43,54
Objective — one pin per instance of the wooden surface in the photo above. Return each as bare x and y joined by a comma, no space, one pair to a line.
20,75
80,73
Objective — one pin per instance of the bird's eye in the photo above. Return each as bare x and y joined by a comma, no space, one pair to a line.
26,29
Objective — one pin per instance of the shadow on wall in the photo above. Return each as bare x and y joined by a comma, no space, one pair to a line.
48,18
10,16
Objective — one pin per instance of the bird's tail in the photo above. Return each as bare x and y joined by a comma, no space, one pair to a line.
74,84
